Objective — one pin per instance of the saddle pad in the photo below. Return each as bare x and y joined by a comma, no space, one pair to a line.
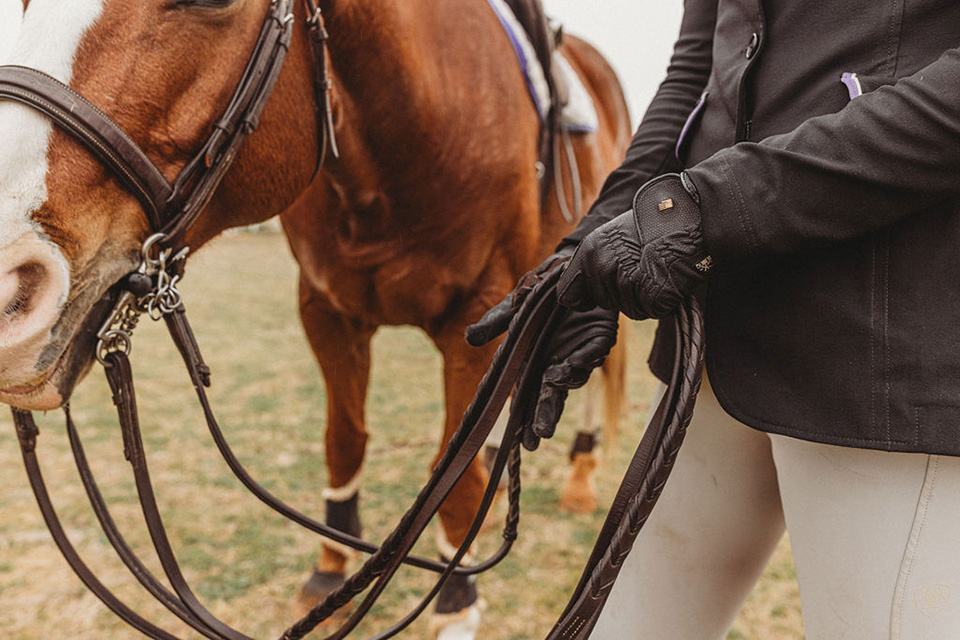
579,114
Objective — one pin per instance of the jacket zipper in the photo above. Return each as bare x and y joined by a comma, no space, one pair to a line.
754,48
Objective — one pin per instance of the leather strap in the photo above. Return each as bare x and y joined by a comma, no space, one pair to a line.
517,359
171,208
121,383
199,372
514,360
184,605
27,433
97,131
530,330
322,83
143,575
199,180
642,483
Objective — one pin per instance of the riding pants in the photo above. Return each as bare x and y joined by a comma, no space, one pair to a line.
874,537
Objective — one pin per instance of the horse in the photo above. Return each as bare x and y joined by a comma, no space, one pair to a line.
428,224
427,216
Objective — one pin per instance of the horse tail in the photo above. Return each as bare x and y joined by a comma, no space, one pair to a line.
615,387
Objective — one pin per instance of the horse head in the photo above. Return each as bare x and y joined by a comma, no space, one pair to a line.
164,71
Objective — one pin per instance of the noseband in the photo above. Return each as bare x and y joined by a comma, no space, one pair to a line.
172,209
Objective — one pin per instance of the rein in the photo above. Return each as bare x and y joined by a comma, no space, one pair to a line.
172,209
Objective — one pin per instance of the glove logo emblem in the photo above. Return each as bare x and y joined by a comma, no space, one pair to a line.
665,204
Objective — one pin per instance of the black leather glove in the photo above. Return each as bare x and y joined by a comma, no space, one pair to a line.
643,262
580,344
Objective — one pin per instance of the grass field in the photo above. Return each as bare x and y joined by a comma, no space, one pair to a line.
244,561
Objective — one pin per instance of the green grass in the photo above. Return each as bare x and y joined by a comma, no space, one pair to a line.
245,562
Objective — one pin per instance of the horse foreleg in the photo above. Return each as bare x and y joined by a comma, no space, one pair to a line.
342,348
458,612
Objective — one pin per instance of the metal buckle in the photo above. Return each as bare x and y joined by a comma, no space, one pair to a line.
116,334
314,19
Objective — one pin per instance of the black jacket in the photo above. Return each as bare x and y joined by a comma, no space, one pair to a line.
834,311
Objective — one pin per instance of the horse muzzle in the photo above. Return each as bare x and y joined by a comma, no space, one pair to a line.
34,285
47,338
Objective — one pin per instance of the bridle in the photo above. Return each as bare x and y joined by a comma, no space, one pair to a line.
172,209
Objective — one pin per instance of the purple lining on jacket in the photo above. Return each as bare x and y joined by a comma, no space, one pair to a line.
689,123
521,58
853,84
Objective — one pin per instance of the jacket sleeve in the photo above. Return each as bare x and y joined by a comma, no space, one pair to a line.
654,142
887,155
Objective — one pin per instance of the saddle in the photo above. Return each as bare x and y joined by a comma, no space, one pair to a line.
545,40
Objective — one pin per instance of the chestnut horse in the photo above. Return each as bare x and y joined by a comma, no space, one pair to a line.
428,217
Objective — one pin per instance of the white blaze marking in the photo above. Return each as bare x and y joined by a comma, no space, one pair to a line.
45,37
11,15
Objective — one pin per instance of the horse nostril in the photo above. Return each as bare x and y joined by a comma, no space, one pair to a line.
17,288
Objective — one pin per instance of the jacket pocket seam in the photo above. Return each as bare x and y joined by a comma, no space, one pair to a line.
894,30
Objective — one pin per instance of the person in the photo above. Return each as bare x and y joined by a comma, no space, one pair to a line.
818,143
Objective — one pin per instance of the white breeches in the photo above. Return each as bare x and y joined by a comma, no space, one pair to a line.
875,538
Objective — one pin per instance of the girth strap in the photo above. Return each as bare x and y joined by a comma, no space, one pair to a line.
323,85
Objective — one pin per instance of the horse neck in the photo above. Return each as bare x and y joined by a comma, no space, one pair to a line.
379,93
276,164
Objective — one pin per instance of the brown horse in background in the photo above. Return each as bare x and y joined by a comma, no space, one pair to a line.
430,216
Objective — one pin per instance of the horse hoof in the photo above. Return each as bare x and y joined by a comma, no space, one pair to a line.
315,590
457,614
580,491
459,625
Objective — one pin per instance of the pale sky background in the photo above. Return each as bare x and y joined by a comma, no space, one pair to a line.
636,36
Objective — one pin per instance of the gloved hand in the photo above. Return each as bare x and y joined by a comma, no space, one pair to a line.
580,344
643,262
